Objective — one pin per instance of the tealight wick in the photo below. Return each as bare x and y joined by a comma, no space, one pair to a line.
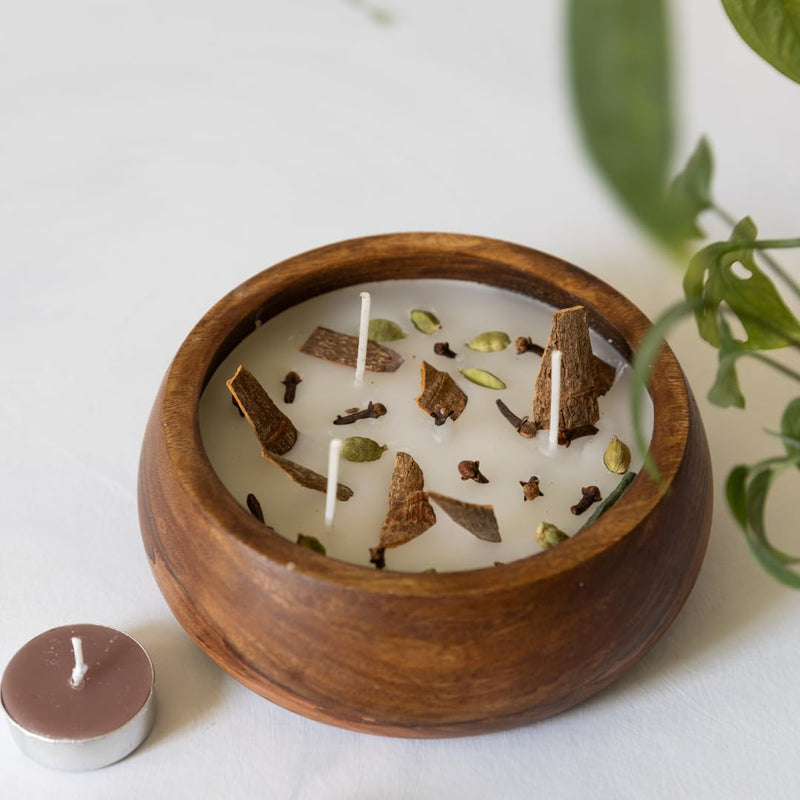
363,333
81,668
555,396
333,477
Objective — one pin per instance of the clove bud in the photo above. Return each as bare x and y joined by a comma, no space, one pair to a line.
290,382
469,470
590,494
530,488
372,411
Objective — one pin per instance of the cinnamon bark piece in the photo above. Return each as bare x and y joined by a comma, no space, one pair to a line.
479,520
440,396
409,513
273,428
606,375
341,348
306,477
580,386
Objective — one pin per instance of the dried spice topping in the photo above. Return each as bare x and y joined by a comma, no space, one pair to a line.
549,535
443,349
490,342
479,520
290,382
384,330
483,378
440,395
359,448
372,411
409,513
306,477
611,498
311,543
524,344
274,429
617,456
425,321
530,488
589,495
470,471
523,426
341,348
580,387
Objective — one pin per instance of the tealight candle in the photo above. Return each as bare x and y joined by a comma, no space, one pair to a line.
327,390
79,697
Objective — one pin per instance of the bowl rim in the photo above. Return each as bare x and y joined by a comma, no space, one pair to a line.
265,294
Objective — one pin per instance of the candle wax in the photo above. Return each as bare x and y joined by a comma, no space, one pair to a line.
97,722
464,309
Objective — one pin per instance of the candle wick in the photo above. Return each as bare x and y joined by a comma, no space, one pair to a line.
555,396
333,476
81,668
363,334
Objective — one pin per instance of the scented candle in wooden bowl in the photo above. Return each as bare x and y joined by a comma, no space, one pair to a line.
459,632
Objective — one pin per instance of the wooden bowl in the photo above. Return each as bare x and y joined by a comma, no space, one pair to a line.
420,654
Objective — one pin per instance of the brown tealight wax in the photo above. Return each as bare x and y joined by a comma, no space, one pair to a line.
37,694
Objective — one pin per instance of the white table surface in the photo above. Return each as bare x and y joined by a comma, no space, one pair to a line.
155,154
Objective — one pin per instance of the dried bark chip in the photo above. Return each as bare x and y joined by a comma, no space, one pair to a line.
606,375
341,348
409,513
440,395
580,387
479,520
274,429
305,476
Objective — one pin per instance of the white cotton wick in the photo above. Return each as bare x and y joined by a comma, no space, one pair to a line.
333,477
555,396
363,333
81,668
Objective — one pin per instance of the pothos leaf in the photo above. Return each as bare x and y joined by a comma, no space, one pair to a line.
790,428
690,192
772,29
746,490
619,69
711,279
726,392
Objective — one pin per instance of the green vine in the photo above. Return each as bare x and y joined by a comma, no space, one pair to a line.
619,59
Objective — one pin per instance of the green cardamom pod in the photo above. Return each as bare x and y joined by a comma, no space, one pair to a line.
483,378
549,535
311,542
359,448
490,342
425,321
384,330
617,456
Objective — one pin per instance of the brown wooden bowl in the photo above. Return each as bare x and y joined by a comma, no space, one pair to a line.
420,654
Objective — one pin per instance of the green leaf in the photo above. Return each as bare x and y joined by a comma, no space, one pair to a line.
711,280
790,428
620,76
384,330
735,494
726,392
772,29
689,194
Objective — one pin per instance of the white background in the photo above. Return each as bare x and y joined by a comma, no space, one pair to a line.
155,154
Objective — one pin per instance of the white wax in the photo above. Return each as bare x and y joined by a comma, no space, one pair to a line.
363,334
334,453
481,433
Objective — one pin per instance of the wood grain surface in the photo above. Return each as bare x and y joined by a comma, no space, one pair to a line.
420,654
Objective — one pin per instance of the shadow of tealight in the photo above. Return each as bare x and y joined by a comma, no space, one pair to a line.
188,684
